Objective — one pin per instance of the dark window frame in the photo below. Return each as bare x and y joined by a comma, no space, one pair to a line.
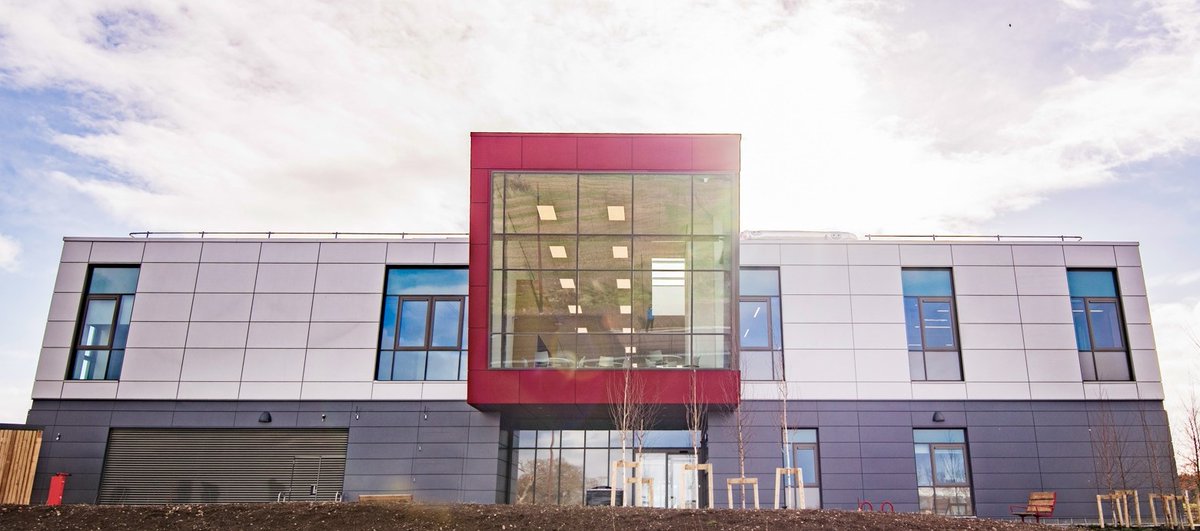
428,332
1121,322
921,300
933,479
85,302
775,345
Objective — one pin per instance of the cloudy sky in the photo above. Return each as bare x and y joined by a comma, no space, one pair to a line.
1016,117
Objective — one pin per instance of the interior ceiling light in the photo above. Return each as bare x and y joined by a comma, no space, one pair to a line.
567,283
546,213
626,309
626,330
622,283
620,251
581,330
631,350
616,213
558,251
571,308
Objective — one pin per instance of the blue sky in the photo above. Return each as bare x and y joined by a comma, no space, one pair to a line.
1029,117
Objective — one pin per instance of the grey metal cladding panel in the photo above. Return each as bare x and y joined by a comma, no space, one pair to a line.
380,450
360,483
1065,481
279,419
844,465
1060,418
263,405
72,465
762,450
64,449
203,419
1001,465
437,466
989,483
437,479
382,435
480,466
388,419
1068,465
206,405
1063,433
877,480
42,417
321,419
841,433
844,481
378,467
838,449
894,465
999,418
441,451
484,434
876,434
74,434
998,434
83,418
445,418
838,418
135,418
885,418
890,449
999,449
439,434
1054,450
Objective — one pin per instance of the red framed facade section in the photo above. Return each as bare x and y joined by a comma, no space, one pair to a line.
495,152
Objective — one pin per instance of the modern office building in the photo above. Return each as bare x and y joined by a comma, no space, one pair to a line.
948,375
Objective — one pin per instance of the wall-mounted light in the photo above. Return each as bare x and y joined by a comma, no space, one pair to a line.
938,416
265,417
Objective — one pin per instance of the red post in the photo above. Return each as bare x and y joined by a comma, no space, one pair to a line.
58,484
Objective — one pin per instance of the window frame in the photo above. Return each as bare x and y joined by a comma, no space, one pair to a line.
770,324
921,300
425,347
1121,322
76,339
933,469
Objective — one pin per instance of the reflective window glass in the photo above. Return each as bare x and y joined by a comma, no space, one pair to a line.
413,315
926,282
447,315
924,466
408,365
1091,283
712,204
755,321
1106,325
657,205
950,465
97,322
403,281
938,324
104,329
540,203
761,282
1079,315
113,280
442,365
912,319
605,204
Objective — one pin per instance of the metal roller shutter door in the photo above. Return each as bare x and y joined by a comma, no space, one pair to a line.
184,465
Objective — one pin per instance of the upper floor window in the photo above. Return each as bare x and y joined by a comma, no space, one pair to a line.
423,335
943,472
761,331
931,324
104,326
1099,332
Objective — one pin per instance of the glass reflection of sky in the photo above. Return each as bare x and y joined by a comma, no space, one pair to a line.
427,282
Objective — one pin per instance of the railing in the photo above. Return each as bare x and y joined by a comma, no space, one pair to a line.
269,234
983,237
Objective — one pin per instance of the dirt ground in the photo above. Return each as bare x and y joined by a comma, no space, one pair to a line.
327,516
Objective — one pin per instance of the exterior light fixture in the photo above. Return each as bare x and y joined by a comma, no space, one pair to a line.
558,251
265,417
567,283
622,283
620,251
938,416
546,213
616,213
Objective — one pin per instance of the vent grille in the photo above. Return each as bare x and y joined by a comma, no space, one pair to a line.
146,466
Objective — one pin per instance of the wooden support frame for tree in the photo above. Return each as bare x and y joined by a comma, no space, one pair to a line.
697,468
642,482
753,482
622,464
1120,508
1191,509
1169,504
1137,503
796,473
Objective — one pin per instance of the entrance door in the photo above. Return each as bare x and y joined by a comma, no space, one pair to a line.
675,475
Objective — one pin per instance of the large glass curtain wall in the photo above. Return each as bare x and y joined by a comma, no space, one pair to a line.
600,271
556,467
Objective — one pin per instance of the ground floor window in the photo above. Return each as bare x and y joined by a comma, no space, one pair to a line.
557,467
802,453
943,472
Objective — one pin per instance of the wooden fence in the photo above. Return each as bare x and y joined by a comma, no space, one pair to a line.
19,450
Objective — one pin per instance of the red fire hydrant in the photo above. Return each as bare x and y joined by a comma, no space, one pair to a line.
58,484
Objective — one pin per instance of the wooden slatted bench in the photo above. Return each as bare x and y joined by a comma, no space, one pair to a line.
385,498
1040,505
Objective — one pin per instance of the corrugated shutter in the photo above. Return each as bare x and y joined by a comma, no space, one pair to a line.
222,465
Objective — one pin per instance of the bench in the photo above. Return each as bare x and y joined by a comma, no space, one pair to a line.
385,498
1040,505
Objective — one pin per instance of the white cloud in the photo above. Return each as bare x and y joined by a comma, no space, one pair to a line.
10,249
302,115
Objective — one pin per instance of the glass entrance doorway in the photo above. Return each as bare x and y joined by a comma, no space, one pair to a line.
666,471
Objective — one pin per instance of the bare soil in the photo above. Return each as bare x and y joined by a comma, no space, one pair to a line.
326,516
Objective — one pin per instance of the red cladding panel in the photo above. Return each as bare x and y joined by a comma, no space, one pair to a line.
481,186
548,153
479,266
481,223
605,153
716,153
495,152
547,386
662,153
477,337
493,387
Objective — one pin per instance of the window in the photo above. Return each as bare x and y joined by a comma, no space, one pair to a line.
602,271
802,452
1099,332
104,323
930,322
424,334
761,332
943,472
